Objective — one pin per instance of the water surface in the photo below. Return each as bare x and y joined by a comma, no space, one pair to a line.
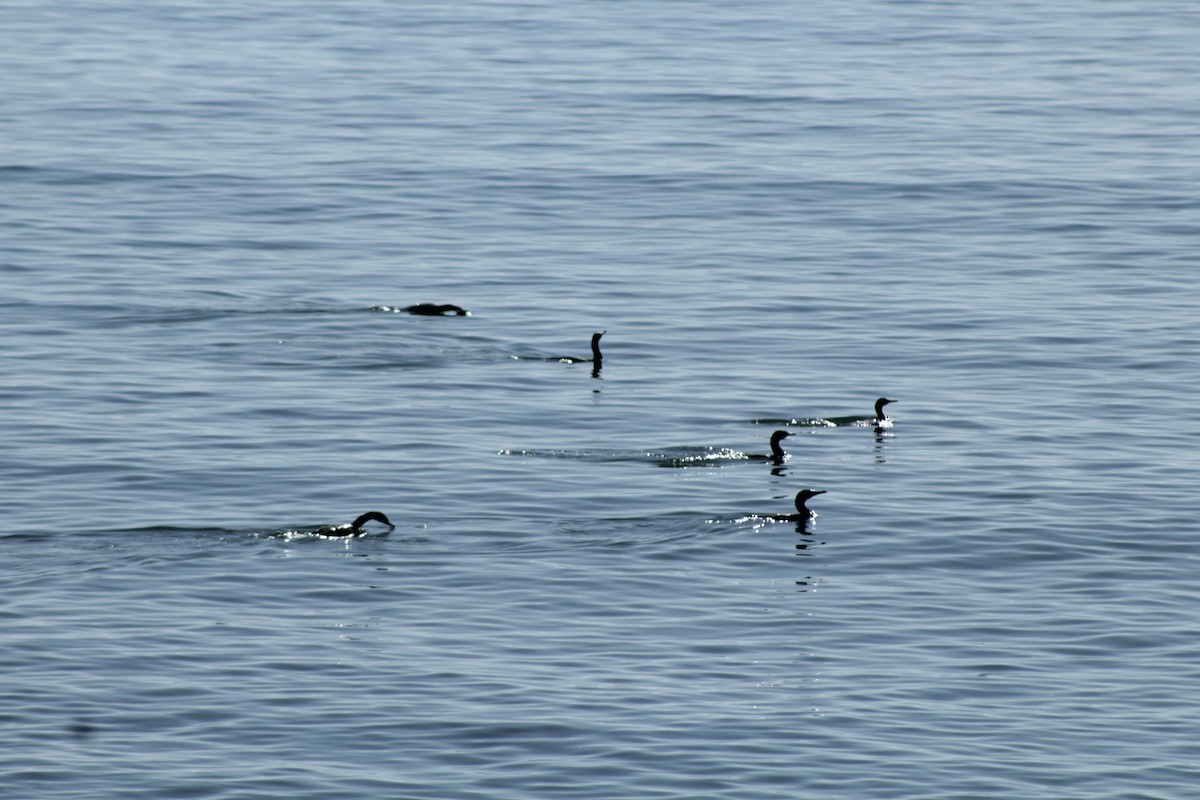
778,215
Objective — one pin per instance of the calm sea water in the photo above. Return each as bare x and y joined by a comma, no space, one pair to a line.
778,212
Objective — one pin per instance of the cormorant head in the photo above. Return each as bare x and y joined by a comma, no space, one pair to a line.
803,496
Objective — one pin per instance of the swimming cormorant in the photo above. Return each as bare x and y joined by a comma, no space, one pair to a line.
595,359
436,310
803,512
355,528
777,455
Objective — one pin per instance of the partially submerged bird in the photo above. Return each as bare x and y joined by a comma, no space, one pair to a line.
436,310
882,420
777,455
355,528
803,512
595,359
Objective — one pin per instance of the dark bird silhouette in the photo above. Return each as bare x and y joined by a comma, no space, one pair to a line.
436,310
803,512
776,455
596,356
355,528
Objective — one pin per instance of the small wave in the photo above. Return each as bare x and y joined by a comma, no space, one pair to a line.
704,458
817,422
614,532
167,530
313,535
164,314
71,177
580,455
671,457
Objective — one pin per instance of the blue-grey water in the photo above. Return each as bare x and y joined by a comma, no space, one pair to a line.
778,212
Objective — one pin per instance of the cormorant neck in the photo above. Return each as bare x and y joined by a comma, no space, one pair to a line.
370,516
802,498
